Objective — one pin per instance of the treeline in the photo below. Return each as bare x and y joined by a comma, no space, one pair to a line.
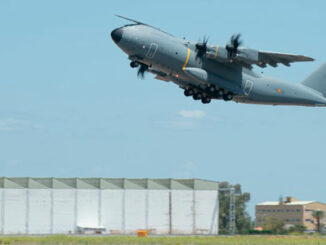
243,221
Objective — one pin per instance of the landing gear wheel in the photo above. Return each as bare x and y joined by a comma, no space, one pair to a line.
134,64
197,96
227,97
187,93
220,93
212,89
206,100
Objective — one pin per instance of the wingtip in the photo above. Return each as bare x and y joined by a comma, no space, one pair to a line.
306,58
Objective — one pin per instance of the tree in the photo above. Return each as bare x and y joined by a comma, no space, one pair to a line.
297,228
242,218
273,224
318,215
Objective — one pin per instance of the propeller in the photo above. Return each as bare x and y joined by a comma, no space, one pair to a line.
201,48
232,47
142,69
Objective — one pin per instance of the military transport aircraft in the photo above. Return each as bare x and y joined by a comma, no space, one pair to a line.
208,72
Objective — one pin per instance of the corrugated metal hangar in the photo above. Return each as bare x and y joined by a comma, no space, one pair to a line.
116,206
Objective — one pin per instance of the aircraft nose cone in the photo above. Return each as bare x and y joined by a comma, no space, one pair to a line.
116,35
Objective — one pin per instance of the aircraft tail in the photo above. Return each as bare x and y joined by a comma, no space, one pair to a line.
317,80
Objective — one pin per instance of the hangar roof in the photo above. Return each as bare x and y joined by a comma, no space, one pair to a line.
107,183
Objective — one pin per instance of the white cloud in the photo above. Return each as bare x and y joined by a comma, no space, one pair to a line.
187,120
8,124
12,124
193,114
182,124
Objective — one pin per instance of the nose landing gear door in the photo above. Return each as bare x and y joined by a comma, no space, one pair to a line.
151,51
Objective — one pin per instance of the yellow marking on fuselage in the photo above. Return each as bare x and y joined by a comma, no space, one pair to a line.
187,59
216,52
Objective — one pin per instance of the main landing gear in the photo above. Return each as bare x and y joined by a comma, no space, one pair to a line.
207,97
206,100
189,92
197,96
227,97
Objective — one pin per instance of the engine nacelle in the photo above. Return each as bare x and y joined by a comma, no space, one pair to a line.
243,54
251,55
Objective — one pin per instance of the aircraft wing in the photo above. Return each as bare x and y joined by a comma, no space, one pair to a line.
247,57
272,59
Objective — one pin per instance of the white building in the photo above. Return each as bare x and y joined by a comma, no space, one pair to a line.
120,206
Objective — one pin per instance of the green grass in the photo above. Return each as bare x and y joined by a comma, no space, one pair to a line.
180,240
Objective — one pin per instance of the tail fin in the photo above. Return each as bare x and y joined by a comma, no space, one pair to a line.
317,80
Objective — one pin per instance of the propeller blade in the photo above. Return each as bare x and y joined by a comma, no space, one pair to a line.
232,47
201,48
237,42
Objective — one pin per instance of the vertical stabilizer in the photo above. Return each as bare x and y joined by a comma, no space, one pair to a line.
317,80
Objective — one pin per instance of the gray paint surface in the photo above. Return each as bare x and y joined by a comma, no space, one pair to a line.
174,59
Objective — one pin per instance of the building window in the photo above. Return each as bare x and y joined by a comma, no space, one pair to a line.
298,210
273,210
278,210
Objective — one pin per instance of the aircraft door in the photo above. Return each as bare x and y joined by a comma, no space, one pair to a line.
248,87
152,50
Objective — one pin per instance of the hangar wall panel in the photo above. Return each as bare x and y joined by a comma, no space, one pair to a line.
111,210
15,211
87,208
58,207
64,211
39,217
182,211
206,209
135,210
158,211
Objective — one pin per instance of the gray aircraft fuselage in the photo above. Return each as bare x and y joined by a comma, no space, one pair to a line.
174,59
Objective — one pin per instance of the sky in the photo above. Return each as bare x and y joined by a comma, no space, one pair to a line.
70,105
